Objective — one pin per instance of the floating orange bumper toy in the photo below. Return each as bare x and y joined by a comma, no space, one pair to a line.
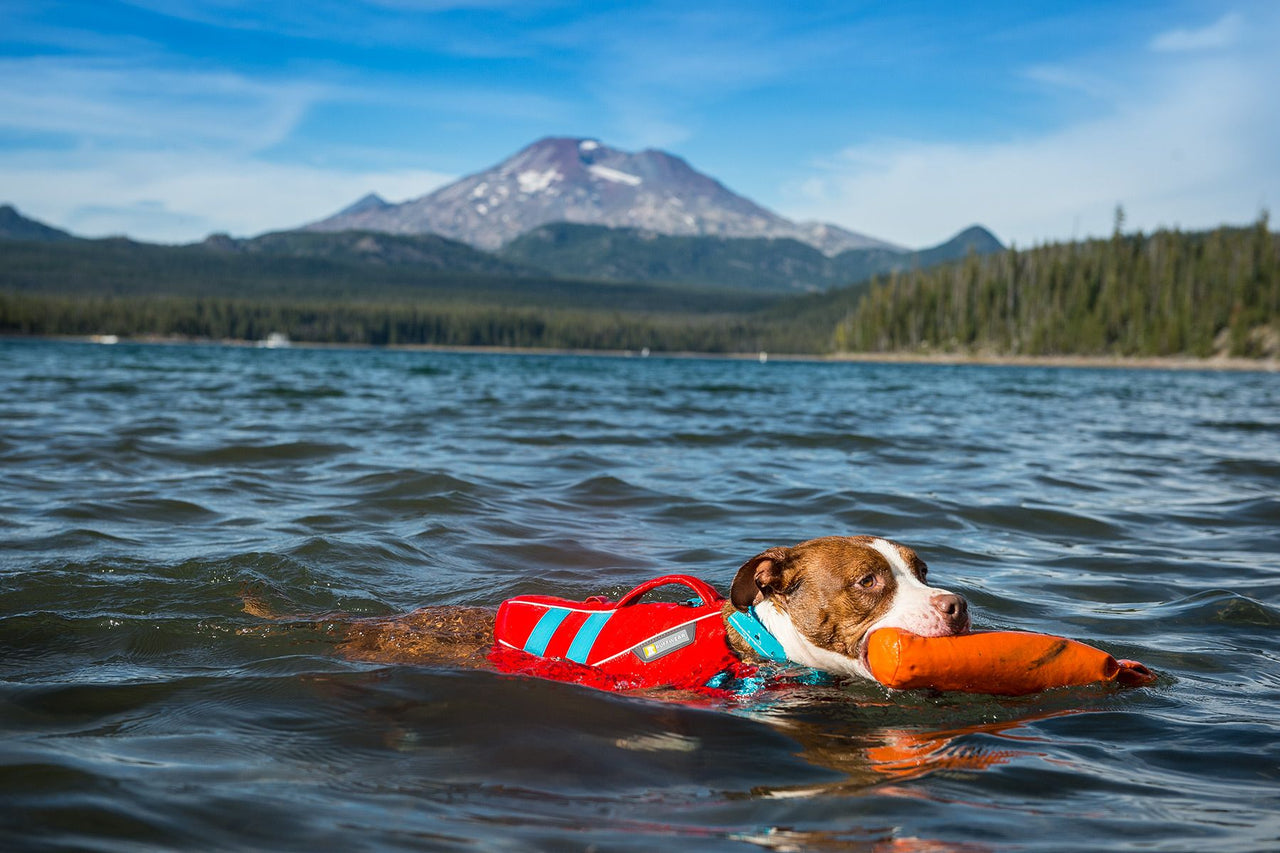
1004,663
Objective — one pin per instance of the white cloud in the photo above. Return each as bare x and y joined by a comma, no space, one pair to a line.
125,146
115,102
1195,150
1224,32
183,196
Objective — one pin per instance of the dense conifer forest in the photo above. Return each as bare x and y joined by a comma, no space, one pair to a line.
378,323
1169,293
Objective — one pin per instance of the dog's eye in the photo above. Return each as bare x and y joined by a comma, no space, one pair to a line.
867,581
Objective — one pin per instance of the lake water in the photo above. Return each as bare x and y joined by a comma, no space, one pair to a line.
143,487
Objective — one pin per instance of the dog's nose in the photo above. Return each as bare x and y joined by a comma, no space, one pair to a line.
952,606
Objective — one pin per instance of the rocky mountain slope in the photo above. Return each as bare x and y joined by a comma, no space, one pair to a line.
585,182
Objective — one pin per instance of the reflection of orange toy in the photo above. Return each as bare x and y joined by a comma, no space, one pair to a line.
1005,663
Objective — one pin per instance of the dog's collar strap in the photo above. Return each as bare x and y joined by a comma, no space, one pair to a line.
756,635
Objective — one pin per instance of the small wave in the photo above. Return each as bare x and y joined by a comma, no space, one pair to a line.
716,388
426,370
608,490
127,389
1216,608
1241,426
1264,470
350,555
1044,522
407,483
79,538
137,509
233,455
318,392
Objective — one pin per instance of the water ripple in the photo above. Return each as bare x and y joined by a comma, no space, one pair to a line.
147,489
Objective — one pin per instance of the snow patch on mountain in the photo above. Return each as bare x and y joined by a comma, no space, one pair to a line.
605,173
532,181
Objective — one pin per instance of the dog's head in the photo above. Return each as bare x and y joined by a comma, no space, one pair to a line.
822,598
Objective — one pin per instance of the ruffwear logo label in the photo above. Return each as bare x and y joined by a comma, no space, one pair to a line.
665,644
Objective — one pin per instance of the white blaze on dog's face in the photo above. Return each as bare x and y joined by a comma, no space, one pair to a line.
822,598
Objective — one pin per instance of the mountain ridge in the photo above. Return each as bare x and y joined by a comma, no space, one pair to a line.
15,226
429,252
775,264
567,251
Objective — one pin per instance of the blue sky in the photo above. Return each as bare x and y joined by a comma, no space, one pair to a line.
170,119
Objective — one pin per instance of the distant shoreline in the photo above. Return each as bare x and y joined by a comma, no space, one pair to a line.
1179,363
1225,363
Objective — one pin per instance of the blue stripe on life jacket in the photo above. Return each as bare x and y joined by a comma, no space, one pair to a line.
586,636
541,634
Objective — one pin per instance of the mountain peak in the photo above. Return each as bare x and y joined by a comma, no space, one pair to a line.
978,239
15,226
370,201
585,181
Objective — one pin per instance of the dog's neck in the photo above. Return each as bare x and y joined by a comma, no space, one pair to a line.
753,632
798,648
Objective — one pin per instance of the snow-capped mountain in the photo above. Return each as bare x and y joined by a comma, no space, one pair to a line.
584,181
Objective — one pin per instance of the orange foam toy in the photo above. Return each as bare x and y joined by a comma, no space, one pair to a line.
1004,663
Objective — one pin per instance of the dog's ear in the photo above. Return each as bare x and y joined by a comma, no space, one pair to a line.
762,572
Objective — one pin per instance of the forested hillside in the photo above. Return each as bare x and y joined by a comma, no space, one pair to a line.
451,324
1169,293
122,268
780,265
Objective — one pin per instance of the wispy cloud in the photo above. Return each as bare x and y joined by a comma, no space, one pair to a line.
1191,145
138,146
1067,78
117,102
656,69
443,26
183,195
1222,33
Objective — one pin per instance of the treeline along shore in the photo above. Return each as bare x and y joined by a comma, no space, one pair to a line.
1170,293
1166,294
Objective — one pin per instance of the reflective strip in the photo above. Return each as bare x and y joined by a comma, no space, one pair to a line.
715,614
541,634
586,638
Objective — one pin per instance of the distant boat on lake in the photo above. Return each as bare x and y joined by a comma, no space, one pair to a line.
275,340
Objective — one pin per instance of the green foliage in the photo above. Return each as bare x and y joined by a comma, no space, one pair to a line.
376,324
304,269
311,288
630,254
1170,293
775,265
427,252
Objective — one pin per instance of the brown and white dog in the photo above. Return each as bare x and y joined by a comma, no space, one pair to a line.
820,599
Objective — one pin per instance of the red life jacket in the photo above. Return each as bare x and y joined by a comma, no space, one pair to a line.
619,645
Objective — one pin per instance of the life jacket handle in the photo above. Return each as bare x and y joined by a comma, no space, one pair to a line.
704,590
